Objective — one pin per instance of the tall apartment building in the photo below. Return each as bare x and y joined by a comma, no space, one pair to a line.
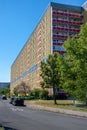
57,24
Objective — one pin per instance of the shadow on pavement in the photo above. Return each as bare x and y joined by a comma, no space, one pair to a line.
20,105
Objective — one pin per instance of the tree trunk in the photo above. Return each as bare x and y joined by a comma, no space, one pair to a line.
54,95
86,98
74,102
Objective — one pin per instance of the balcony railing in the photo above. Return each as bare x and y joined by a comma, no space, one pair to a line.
68,14
65,29
56,36
67,22
57,43
59,36
61,52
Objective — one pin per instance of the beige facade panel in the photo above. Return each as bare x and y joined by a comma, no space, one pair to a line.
29,59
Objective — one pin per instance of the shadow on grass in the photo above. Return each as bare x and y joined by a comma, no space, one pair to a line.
72,104
64,104
81,105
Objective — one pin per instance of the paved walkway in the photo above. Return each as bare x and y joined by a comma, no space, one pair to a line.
59,110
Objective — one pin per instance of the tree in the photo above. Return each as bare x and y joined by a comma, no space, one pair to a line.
75,68
25,87
35,93
5,91
43,94
22,88
16,91
50,73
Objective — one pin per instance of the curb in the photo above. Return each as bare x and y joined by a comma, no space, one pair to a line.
57,110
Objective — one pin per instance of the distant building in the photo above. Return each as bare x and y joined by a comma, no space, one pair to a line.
4,84
59,22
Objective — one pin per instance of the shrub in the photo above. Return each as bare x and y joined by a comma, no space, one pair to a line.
50,97
35,93
43,94
30,97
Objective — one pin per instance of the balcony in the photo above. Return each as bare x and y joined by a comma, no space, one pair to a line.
61,52
67,22
58,48
59,36
56,36
68,14
66,29
57,43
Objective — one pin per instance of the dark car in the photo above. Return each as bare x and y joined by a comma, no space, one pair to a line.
61,94
4,97
18,102
12,99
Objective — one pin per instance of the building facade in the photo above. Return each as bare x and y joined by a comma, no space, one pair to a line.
57,24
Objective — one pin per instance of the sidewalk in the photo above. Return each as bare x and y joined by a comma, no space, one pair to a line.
59,110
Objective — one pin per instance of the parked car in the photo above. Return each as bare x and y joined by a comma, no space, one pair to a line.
61,94
11,100
4,97
26,97
18,102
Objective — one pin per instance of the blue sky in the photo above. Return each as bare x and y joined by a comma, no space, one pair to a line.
18,18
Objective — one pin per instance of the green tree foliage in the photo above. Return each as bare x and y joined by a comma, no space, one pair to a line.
16,91
5,91
74,73
35,93
43,94
50,72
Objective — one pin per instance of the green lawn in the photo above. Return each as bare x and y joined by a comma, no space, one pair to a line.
1,128
65,104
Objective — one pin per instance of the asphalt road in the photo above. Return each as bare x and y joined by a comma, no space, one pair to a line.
23,118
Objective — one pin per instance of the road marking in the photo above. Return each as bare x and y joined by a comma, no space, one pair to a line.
13,109
16,109
19,109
